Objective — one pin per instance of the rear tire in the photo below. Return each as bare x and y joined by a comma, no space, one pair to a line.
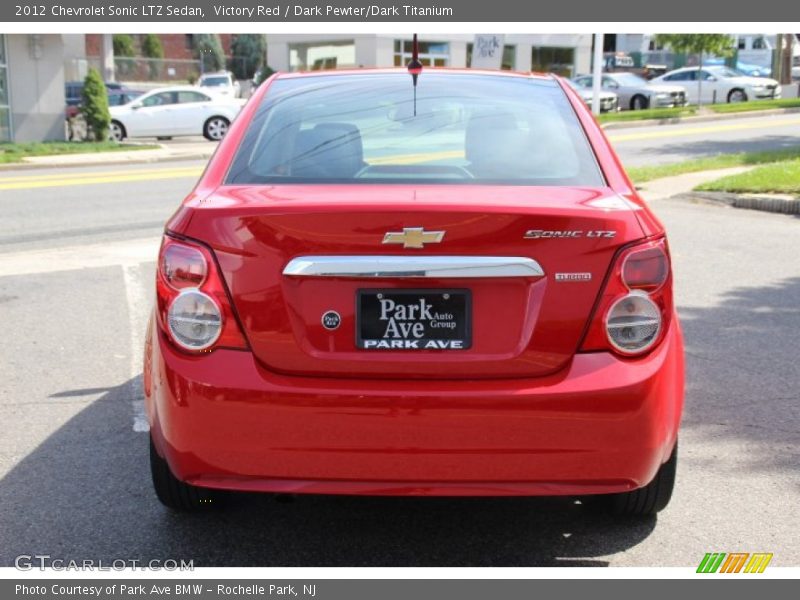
116,131
216,128
650,499
639,102
737,95
174,493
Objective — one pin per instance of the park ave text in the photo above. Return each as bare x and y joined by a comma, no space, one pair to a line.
258,12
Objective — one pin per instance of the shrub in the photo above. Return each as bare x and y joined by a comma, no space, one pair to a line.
95,106
152,49
124,52
248,53
208,49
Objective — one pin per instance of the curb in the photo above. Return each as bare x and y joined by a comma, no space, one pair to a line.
698,118
752,202
89,163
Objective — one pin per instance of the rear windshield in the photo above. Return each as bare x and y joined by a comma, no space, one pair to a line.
462,128
215,81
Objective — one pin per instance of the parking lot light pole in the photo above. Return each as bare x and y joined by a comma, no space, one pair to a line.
597,72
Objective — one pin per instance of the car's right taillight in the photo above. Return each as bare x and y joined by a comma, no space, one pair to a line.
635,308
194,309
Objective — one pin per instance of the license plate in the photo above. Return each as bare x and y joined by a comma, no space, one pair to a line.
414,319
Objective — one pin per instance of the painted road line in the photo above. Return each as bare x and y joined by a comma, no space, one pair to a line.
70,174
138,312
96,178
689,131
408,159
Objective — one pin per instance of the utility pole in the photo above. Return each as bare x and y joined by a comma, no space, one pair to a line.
597,72
777,62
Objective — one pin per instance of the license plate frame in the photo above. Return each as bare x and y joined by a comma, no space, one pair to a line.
438,302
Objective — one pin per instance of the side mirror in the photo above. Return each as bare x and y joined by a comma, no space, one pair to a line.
136,106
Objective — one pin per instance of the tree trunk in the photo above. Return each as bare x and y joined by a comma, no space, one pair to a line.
786,58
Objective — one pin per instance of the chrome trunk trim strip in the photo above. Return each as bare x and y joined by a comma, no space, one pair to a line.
413,266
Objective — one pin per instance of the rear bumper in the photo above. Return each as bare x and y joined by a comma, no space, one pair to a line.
601,425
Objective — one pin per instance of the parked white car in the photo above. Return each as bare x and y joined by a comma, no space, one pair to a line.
721,84
222,83
174,111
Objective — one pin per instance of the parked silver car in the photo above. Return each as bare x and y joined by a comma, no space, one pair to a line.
609,102
637,93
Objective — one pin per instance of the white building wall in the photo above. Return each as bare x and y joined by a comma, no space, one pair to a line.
36,86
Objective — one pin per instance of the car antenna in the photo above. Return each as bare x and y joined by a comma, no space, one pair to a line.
415,68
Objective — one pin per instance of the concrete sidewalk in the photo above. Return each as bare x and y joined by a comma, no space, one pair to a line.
166,152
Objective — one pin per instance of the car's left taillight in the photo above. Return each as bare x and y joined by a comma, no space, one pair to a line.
635,308
194,308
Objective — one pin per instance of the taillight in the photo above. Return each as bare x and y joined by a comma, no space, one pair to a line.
194,309
635,308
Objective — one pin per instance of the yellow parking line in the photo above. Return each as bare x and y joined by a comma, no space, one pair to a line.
30,182
646,135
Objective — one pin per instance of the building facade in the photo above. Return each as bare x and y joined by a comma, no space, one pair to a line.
567,54
31,87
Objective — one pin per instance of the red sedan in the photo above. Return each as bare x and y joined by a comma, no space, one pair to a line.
432,285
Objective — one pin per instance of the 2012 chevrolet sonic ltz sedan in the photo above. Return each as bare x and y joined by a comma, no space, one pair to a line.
438,284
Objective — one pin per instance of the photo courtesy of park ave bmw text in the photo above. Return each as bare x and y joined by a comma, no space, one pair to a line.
338,300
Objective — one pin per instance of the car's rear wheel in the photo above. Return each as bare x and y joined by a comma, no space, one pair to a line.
116,131
650,499
216,128
737,95
639,102
174,493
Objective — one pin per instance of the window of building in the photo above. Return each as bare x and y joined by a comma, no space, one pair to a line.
508,61
553,59
318,56
188,41
5,109
436,54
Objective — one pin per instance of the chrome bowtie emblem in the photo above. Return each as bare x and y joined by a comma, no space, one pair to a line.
413,237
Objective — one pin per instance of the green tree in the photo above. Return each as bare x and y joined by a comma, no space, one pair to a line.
700,44
152,49
263,74
208,50
247,51
124,51
95,106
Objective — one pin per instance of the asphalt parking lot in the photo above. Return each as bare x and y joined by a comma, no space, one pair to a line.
76,270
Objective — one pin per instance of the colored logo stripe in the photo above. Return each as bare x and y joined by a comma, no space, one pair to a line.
735,561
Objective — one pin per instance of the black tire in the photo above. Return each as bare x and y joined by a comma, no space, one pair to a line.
639,102
174,493
737,95
650,499
117,131
215,128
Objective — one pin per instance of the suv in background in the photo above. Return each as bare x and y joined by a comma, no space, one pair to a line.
222,83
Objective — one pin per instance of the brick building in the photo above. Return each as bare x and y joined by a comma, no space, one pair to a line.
178,46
